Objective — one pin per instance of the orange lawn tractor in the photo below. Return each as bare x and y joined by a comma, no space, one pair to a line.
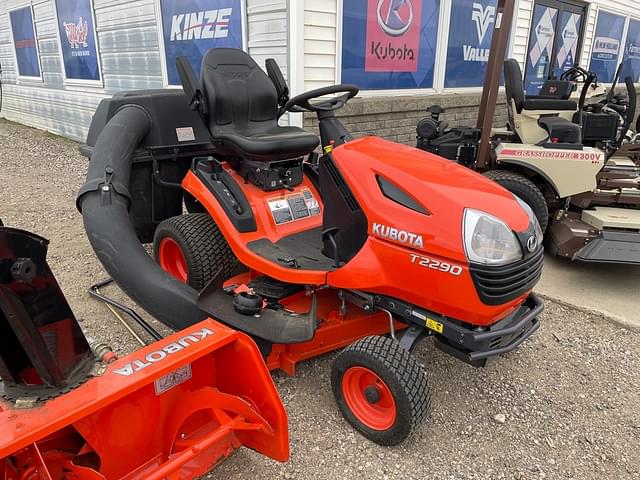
307,253
71,410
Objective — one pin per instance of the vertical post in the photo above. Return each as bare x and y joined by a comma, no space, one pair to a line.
499,41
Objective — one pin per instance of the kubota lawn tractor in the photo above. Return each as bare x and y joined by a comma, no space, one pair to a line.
307,253
71,410
570,161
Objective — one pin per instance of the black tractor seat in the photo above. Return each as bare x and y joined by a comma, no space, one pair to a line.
561,131
242,110
274,144
515,91
546,103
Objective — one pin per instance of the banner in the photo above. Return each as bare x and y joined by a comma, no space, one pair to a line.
191,27
606,45
78,40
541,39
25,43
470,31
570,24
389,44
631,56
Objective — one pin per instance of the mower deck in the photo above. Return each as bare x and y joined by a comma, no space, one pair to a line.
611,217
601,235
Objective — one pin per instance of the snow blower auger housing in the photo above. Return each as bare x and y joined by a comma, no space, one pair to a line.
172,410
308,253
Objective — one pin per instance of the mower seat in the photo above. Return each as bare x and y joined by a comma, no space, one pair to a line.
525,111
242,110
561,131
560,89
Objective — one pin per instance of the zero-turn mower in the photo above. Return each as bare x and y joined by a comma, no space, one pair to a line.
307,253
568,161
70,409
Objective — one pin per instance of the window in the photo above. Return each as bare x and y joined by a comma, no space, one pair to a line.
631,56
77,36
389,44
25,42
470,31
191,27
606,45
555,40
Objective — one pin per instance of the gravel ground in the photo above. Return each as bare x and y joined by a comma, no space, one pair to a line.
569,398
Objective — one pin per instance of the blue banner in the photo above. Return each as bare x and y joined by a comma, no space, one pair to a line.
541,37
191,27
25,43
606,45
470,32
570,26
632,52
389,44
78,40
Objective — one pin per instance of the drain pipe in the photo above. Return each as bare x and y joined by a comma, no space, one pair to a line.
104,202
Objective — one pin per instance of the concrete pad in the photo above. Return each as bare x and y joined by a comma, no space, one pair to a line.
613,290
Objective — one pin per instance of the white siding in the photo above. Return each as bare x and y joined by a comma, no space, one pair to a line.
321,42
267,25
520,27
128,44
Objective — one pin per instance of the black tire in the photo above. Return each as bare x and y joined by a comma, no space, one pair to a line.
404,378
202,245
526,190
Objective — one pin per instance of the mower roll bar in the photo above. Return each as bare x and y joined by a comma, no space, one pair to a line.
499,41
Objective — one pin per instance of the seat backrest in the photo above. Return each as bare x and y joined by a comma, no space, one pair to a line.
239,94
513,85
561,89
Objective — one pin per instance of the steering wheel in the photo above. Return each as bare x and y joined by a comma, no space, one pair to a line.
575,74
302,102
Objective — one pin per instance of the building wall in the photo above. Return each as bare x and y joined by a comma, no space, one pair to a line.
305,30
395,118
395,114
129,48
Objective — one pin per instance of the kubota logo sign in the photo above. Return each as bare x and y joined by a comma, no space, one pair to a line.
159,355
395,16
393,35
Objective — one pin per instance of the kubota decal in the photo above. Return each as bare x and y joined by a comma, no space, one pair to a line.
159,355
401,236
444,267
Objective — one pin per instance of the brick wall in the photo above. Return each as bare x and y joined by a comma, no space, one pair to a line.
395,118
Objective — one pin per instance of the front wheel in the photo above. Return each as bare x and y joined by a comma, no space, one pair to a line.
381,389
525,189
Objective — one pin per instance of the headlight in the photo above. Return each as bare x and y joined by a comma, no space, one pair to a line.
488,240
532,218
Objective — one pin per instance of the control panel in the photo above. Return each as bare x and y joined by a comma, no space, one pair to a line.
296,206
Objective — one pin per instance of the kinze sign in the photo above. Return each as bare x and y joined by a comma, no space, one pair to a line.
201,25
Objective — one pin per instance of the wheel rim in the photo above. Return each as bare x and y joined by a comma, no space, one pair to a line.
172,259
369,398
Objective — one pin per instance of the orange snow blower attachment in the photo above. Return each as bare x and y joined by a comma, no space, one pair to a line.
172,410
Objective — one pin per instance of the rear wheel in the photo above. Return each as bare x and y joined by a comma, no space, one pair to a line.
526,190
192,249
381,389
